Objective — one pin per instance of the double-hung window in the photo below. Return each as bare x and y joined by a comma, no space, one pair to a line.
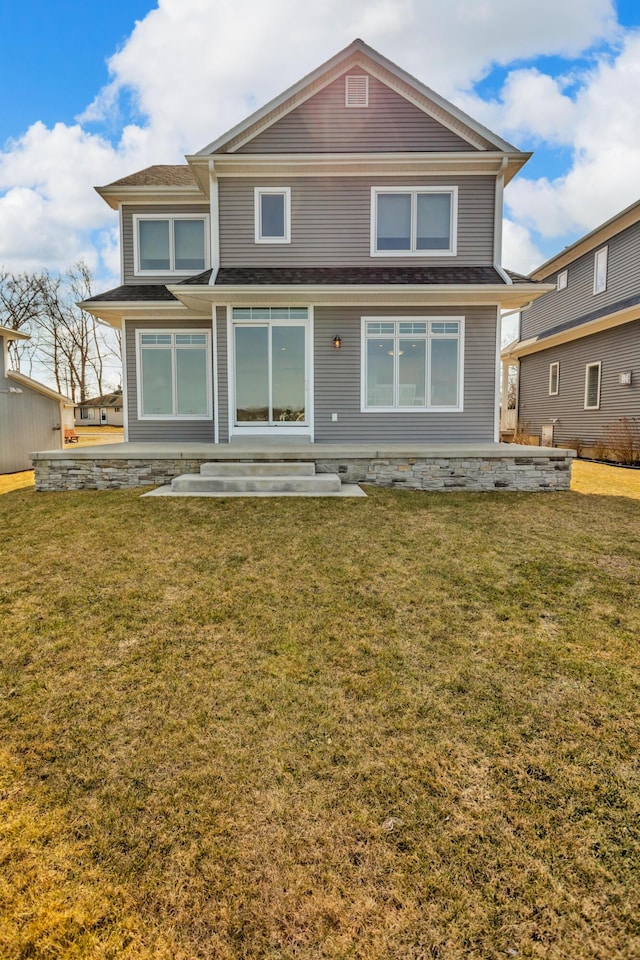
592,379
413,221
174,374
412,364
272,211
170,244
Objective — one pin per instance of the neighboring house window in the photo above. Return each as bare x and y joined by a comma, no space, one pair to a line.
174,374
600,270
592,386
412,363
272,214
170,244
87,413
356,91
561,280
554,379
418,221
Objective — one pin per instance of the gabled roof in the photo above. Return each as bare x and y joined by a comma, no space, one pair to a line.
159,175
590,241
366,57
113,399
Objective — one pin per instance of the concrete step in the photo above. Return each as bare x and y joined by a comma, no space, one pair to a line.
256,469
324,483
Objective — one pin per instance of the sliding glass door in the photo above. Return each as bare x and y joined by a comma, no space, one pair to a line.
270,367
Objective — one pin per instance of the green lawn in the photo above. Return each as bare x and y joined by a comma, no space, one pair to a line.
399,728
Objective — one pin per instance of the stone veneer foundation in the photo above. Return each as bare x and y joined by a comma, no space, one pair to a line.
542,470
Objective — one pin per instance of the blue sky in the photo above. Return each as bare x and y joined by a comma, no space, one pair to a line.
88,98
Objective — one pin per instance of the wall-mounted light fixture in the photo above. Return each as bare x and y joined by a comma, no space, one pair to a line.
337,342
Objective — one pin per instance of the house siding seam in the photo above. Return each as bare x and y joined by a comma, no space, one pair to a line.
331,222
617,349
323,124
338,389
578,299
128,257
160,431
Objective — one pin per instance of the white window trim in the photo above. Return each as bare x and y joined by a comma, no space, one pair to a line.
562,280
590,366
414,191
556,364
209,368
257,195
428,337
605,251
356,76
171,217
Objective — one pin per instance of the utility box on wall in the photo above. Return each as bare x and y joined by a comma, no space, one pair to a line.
547,435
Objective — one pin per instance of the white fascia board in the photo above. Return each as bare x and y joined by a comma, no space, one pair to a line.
10,334
590,241
525,347
38,387
114,313
489,163
366,57
145,194
516,295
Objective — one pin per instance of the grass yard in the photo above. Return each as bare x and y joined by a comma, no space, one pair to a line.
397,728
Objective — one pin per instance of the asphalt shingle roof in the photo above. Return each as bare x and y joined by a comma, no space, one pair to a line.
142,292
159,175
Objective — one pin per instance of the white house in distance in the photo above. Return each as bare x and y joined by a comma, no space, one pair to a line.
32,416
102,411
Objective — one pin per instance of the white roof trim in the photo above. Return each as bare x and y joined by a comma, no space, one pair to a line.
590,241
522,348
38,387
328,71
10,334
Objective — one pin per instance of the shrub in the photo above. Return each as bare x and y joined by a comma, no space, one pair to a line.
622,440
522,433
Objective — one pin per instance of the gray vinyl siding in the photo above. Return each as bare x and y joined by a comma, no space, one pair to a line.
29,421
337,381
323,124
223,375
578,298
160,431
331,222
128,260
617,349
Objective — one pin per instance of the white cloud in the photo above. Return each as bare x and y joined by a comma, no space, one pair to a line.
519,251
194,68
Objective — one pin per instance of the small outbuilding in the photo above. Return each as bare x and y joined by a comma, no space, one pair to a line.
32,415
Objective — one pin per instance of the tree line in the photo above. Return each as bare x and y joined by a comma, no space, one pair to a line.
66,342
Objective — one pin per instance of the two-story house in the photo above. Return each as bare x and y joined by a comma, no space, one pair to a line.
328,272
578,350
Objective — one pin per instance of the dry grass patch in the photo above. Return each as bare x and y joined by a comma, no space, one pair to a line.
605,481
404,727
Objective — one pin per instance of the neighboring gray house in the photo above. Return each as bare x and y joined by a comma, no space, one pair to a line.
579,346
32,416
328,270
102,411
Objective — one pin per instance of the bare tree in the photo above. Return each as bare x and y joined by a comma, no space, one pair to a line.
66,340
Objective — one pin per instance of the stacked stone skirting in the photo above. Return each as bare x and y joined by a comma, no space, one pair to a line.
407,473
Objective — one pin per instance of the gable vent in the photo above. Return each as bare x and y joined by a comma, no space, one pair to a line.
356,91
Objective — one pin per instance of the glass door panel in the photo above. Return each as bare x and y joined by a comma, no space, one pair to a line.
252,374
288,374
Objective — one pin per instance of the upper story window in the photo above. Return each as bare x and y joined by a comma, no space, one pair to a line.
415,221
272,214
554,379
412,364
600,270
170,244
562,279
